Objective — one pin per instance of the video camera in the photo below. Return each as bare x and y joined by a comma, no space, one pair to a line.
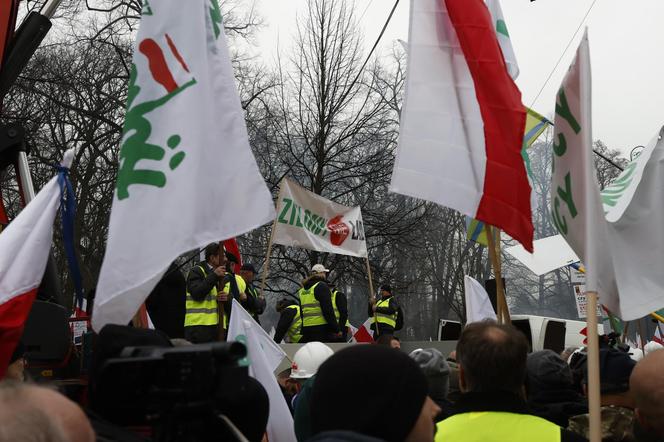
180,392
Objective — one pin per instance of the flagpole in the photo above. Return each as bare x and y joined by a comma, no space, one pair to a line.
220,305
372,296
593,368
269,244
494,256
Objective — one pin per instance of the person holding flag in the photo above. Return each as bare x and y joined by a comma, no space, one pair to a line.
201,320
255,303
388,314
318,320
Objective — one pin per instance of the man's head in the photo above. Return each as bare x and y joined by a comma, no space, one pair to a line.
547,371
436,369
248,272
492,357
212,255
647,386
389,341
395,402
42,414
284,303
615,368
320,271
385,290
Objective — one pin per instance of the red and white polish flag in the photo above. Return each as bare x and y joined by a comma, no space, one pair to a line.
364,333
462,121
24,250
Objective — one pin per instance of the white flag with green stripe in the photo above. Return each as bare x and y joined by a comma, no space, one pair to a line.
503,37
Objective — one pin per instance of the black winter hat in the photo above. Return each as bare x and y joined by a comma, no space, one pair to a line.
388,383
615,368
547,371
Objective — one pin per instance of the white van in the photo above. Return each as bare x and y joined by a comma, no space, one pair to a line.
551,333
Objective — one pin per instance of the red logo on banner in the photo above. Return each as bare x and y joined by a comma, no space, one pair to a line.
339,230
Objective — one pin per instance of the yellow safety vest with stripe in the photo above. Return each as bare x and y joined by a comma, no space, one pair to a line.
201,312
311,312
496,427
241,288
384,318
336,310
295,330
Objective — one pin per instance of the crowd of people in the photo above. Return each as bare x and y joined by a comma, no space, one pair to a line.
317,312
489,389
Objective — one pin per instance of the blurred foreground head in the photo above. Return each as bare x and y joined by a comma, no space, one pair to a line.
492,357
647,387
389,384
29,412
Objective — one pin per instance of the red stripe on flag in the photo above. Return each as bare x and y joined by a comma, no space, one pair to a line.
232,247
505,200
13,315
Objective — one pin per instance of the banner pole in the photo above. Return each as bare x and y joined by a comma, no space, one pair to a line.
266,266
593,368
494,250
372,296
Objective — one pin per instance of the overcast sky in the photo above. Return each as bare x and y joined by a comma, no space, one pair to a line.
626,48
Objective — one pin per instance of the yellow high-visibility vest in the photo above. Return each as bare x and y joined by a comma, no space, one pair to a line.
490,426
384,318
295,330
336,310
201,312
311,312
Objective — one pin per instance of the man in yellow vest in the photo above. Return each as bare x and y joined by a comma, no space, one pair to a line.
387,313
318,320
340,306
201,319
492,373
290,321
255,303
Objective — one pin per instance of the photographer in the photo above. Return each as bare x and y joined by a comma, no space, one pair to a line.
201,320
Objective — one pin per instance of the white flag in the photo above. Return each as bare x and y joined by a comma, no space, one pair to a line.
310,221
187,176
617,234
503,37
478,304
264,357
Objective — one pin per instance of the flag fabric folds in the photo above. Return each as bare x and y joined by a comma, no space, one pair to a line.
24,249
462,122
307,220
187,176
478,304
503,37
264,357
616,233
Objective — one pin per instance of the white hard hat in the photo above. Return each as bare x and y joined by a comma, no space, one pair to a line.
319,268
308,358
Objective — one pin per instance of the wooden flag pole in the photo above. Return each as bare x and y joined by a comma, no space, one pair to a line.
266,266
220,305
593,368
494,255
372,295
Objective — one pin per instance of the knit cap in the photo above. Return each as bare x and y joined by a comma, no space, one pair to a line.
389,385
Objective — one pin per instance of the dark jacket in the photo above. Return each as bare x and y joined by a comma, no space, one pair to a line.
199,285
342,305
254,304
502,402
557,406
166,303
285,320
391,309
324,297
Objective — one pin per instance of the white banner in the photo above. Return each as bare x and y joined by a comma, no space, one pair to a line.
310,221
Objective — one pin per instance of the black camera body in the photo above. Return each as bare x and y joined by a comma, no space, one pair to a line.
178,391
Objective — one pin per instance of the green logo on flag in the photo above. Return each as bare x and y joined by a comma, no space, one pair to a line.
147,10
611,194
138,128
215,15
